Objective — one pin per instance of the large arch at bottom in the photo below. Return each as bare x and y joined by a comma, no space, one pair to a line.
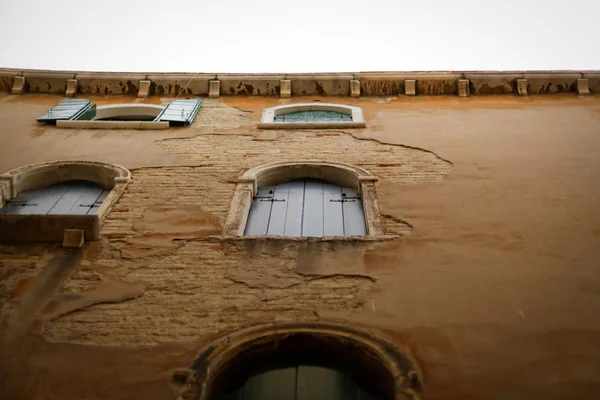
355,352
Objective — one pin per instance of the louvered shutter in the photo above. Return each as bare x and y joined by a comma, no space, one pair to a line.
180,112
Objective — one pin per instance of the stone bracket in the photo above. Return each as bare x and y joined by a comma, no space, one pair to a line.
354,88
463,88
71,88
214,88
144,91
583,87
73,238
522,87
18,85
285,88
410,87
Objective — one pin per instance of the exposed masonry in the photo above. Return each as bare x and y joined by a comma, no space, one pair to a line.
201,285
396,163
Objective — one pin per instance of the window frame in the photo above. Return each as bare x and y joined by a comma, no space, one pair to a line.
341,174
267,120
44,227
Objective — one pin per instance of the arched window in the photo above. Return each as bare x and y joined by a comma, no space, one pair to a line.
82,114
312,116
306,207
305,198
302,361
40,202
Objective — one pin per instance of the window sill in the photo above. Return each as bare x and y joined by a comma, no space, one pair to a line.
46,228
136,125
312,125
380,238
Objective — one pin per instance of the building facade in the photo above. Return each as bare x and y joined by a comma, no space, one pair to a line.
452,251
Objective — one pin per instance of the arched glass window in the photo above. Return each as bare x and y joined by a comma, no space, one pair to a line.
306,207
300,382
313,116
64,198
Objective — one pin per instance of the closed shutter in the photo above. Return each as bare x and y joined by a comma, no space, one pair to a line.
302,382
306,207
180,112
65,198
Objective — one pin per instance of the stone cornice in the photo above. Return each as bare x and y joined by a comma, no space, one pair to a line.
462,83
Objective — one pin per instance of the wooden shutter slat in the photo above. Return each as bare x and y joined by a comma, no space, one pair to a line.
312,221
333,224
295,208
279,210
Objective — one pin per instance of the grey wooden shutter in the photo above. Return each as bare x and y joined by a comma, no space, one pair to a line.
70,198
354,213
260,211
306,207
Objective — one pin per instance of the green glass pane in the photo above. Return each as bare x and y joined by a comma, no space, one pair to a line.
313,116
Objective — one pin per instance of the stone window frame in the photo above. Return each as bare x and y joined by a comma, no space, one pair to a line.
341,174
393,367
119,110
267,120
52,227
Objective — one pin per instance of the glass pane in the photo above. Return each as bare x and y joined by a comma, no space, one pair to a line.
313,116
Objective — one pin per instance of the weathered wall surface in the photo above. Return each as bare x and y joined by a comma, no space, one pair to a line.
492,286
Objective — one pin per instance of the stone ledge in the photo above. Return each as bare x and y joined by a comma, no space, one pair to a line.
135,125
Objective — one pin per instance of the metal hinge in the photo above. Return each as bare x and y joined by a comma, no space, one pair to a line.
269,199
346,199
21,203
90,205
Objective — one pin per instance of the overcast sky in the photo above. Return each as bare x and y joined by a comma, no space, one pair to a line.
299,36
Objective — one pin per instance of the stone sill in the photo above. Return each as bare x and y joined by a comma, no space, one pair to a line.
46,228
379,238
136,125
311,125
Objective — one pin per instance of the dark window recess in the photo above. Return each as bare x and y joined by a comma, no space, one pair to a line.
138,118
306,207
300,382
65,198
313,116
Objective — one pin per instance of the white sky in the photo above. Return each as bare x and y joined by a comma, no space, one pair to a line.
299,36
